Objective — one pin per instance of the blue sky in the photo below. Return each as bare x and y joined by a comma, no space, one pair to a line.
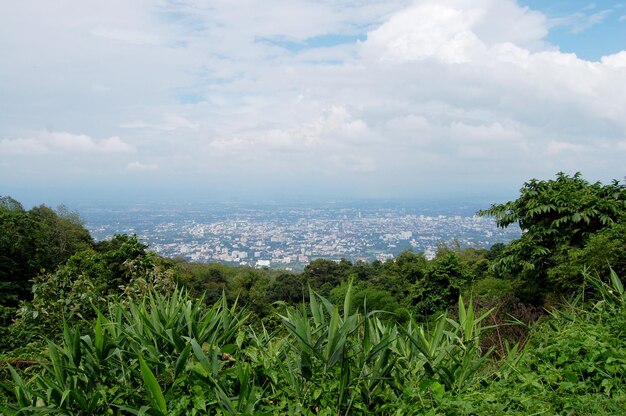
216,99
588,29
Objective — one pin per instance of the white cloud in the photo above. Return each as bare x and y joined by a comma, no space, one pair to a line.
142,167
234,144
615,61
170,122
28,146
455,31
435,90
556,147
99,88
63,142
353,163
332,130
130,36
582,20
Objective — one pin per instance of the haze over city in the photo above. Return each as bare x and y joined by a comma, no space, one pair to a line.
101,101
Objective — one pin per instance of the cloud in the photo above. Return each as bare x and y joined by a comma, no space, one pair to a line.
99,88
46,142
615,61
353,163
333,129
455,32
582,20
453,55
418,94
131,36
556,147
142,167
230,145
170,122
29,146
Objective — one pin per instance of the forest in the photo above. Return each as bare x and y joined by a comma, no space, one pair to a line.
535,326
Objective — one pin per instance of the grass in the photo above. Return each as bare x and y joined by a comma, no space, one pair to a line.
172,355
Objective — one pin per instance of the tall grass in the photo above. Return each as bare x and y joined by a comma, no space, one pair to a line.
137,359
169,355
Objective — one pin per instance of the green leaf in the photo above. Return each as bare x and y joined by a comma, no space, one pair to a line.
617,283
182,360
155,393
347,302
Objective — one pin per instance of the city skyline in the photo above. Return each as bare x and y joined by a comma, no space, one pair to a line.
183,100
289,236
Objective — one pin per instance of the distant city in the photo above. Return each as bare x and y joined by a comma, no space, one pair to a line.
289,236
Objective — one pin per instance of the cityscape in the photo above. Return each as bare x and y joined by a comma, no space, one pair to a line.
288,237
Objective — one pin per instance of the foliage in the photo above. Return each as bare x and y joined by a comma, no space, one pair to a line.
288,287
209,279
573,364
555,216
108,332
603,251
34,240
140,359
323,275
120,269
491,288
442,283
170,354
30,242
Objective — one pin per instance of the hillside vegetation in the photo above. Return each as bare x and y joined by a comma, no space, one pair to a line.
532,327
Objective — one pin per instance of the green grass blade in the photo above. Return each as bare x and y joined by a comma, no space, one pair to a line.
347,302
181,361
617,283
155,393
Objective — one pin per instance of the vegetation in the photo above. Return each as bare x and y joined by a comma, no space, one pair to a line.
532,327
32,241
558,218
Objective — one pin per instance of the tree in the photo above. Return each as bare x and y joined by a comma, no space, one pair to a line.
62,234
324,275
119,270
398,276
554,216
20,254
290,288
441,285
604,251
10,204
34,241
252,288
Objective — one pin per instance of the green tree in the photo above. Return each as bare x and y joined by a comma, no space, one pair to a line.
324,275
252,287
289,287
63,233
441,285
20,255
554,216
121,269
34,241
399,275
605,250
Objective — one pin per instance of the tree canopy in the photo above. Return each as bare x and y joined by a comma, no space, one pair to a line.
555,216
33,241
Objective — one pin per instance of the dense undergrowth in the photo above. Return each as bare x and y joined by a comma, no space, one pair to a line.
111,328
170,354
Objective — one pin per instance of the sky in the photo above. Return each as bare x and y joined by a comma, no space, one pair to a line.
187,99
